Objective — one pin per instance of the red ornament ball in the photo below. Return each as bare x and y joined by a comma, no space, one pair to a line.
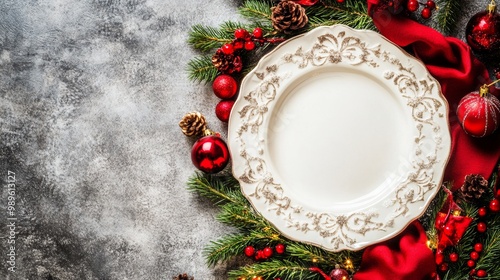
481,227
280,248
339,273
225,86
481,273
483,33
478,247
479,113
249,251
482,212
267,252
495,205
223,110
471,263
210,154
453,257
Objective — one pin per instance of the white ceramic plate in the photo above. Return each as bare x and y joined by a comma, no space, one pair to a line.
339,138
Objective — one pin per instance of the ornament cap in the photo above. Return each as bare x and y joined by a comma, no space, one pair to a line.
492,7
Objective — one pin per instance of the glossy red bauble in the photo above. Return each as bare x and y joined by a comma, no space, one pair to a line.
412,5
223,110
482,212
225,86
210,154
478,247
483,33
479,113
474,255
339,273
426,13
453,257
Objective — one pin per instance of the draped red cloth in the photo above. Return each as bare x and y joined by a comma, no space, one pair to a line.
451,62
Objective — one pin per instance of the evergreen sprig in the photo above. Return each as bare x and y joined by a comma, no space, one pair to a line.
446,16
276,268
201,69
350,13
233,245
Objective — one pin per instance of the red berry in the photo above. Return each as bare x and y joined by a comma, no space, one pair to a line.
259,255
249,45
453,257
238,44
249,251
439,257
268,252
340,1
412,5
481,227
280,248
227,49
258,33
495,205
443,267
497,194
481,273
225,86
478,247
471,263
426,13
482,212
474,255
223,110
240,33
431,4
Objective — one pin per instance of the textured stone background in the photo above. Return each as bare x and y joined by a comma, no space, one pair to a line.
90,96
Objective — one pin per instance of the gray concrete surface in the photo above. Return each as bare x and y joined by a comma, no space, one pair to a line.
90,96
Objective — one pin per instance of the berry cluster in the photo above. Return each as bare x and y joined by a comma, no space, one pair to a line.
413,5
264,254
481,227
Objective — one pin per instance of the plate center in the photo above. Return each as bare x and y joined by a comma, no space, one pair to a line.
335,137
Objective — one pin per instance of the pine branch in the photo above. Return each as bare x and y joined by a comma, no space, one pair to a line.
276,268
258,11
201,69
350,13
309,253
214,188
233,245
207,38
447,15
242,217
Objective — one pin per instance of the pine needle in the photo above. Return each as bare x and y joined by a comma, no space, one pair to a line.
447,15
201,69
275,268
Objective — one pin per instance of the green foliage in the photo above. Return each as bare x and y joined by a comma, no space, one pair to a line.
281,268
201,69
446,15
350,13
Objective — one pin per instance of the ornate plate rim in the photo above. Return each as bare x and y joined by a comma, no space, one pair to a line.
249,179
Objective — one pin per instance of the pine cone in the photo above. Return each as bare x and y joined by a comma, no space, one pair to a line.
183,277
474,187
288,16
193,124
227,63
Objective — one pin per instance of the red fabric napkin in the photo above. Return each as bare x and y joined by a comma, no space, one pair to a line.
406,257
450,61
